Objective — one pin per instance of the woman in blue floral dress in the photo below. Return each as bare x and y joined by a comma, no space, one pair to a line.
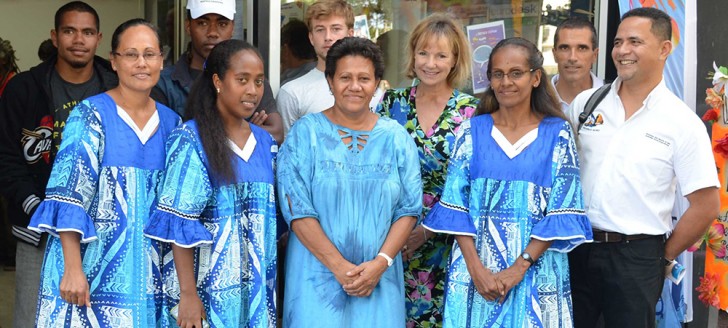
431,112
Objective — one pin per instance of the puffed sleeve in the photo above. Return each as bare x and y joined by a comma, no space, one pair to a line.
184,193
295,173
451,214
408,166
73,184
565,222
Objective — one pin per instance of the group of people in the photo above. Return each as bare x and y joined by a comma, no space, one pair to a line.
156,200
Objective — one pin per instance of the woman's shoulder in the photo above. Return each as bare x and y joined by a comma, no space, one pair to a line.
186,131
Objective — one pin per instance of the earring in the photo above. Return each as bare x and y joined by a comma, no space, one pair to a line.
218,90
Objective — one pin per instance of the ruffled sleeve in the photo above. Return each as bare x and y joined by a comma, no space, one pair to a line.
408,165
295,173
73,183
565,223
451,214
184,194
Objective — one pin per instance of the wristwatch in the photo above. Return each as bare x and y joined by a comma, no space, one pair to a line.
528,258
390,261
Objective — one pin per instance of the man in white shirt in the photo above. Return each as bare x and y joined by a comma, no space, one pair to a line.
640,142
327,21
575,51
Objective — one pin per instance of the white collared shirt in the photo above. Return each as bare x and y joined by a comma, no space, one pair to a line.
596,82
630,169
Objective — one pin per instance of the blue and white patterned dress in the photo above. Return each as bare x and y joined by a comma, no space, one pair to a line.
103,185
231,225
503,202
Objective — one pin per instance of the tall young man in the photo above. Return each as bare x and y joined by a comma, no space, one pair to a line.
33,112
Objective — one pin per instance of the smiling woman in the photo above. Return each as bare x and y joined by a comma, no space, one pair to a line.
99,197
216,205
349,186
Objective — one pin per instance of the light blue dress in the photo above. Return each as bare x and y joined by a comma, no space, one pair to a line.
503,202
356,192
103,185
232,227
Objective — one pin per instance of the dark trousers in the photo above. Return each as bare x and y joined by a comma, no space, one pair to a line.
621,281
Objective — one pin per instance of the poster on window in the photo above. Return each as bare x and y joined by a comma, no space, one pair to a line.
482,38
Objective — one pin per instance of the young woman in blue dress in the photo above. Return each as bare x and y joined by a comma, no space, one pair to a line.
216,205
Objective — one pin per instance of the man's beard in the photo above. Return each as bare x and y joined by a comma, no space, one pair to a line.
77,63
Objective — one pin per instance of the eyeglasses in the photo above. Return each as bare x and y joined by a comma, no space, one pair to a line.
513,75
133,56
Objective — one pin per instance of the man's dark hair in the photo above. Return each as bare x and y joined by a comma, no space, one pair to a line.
46,50
661,22
577,23
79,6
295,35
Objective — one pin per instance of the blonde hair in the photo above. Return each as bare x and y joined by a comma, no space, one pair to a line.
324,8
440,25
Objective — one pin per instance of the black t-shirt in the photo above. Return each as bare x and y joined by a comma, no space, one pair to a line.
65,95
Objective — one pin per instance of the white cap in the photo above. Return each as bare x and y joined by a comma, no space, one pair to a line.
199,8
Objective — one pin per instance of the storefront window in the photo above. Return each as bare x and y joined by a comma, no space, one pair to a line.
388,22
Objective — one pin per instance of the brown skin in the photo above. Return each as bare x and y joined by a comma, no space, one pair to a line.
640,56
353,86
74,285
136,80
76,39
240,92
205,32
513,119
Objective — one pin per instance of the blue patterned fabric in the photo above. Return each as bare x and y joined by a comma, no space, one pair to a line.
231,225
356,197
504,203
103,185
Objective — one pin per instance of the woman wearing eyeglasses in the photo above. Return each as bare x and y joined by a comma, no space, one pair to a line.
99,269
513,200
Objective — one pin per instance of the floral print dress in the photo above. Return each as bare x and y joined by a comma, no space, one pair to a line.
425,273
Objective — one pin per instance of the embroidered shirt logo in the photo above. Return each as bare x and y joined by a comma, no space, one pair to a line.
594,120
655,138
37,143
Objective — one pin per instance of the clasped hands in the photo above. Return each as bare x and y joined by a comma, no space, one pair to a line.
495,287
360,280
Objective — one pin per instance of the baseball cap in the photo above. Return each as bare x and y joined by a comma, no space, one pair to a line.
224,8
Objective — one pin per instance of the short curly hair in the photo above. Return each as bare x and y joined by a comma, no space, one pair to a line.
354,46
